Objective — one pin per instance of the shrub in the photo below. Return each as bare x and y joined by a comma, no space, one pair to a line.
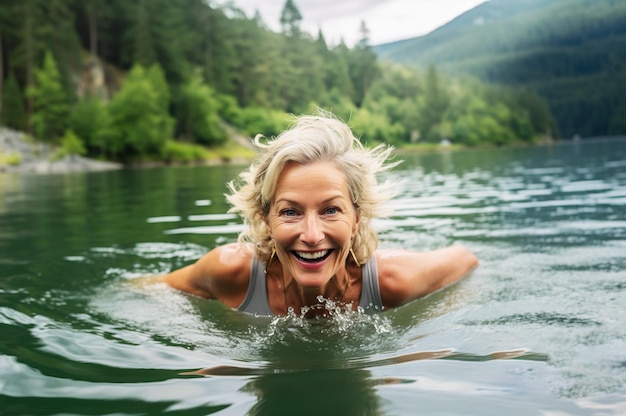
183,152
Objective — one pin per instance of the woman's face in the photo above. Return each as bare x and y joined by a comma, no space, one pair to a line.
312,221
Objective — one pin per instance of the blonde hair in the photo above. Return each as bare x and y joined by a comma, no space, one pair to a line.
313,138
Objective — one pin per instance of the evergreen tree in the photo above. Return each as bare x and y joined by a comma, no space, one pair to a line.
51,104
290,19
23,55
139,125
156,78
144,53
6,28
363,66
90,121
13,109
196,112
432,105
249,59
338,77
95,12
44,25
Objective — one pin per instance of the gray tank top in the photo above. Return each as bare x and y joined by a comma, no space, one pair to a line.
256,301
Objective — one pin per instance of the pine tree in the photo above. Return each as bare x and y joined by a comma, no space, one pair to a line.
51,104
196,112
290,19
144,53
13,109
433,104
90,121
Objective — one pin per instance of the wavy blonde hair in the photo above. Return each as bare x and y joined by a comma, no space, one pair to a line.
313,138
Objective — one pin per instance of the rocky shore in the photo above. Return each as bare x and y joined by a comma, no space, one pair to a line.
19,155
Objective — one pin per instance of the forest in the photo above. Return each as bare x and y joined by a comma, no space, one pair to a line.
571,52
168,80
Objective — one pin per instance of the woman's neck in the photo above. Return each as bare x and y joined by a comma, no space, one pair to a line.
296,296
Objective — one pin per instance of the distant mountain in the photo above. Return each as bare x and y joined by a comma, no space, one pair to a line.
573,52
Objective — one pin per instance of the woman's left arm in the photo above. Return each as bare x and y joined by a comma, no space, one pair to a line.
408,275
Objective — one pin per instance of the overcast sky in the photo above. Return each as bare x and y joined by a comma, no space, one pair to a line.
387,20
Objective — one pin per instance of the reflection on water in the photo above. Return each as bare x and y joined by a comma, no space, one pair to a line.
537,329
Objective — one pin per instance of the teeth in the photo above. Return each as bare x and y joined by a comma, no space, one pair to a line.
312,256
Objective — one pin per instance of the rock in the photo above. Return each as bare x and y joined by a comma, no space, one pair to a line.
38,157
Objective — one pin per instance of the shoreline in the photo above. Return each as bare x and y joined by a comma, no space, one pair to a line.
22,156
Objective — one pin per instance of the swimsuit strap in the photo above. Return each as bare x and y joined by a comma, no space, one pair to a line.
370,289
256,301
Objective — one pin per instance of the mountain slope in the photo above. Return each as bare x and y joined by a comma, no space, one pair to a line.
573,52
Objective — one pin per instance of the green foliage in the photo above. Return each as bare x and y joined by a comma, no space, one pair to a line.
71,145
182,152
140,125
197,114
10,159
571,52
13,110
290,18
228,109
374,128
254,120
432,105
156,78
363,69
434,108
90,120
193,71
52,109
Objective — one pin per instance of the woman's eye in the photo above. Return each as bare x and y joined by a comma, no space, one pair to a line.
288,212
331,210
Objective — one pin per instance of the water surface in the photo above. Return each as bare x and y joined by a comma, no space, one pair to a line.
538,329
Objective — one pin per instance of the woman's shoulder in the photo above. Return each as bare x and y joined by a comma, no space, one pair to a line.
399,271
228,261
405,275
225,271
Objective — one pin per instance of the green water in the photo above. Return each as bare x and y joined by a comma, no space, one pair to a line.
538,329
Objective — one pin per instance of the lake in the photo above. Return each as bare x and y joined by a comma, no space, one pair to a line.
537,329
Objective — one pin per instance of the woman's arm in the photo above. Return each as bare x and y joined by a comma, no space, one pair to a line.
223,273
407,275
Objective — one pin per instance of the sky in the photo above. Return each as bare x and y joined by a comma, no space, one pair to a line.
387,20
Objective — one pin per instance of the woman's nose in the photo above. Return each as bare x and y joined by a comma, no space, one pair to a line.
311,232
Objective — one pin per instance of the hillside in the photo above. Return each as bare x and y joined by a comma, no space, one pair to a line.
156,81
573,52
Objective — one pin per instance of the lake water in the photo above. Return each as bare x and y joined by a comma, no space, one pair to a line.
538,329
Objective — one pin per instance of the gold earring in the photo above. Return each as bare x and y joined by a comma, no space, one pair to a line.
269,262
354,258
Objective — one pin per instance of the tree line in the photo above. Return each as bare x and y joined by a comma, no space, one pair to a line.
134,80
572,52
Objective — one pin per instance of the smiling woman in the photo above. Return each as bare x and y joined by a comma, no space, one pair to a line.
307,205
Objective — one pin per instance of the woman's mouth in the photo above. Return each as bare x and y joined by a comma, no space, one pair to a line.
312,256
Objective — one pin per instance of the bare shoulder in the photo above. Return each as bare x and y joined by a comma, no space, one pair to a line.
227,261
405,275
223,273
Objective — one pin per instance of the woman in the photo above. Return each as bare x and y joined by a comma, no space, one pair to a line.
307,206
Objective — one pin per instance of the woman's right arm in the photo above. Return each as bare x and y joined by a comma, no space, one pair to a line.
223,273
190,279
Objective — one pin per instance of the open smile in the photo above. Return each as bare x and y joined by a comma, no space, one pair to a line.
312,256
